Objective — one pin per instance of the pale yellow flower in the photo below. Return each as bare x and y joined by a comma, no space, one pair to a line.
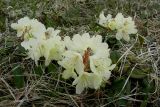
92,56
28,28
34,49
104,20
38,41
87,80
123,26
53,45
73,64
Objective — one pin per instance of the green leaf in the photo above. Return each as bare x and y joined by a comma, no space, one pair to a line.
141,40
52,67
38,70
141,71
138,74
147,86
114,56
132,58
117,85
18,76
117,92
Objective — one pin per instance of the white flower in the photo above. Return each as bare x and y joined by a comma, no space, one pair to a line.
125,26
72,61
51,33
119,19
40,42
22,25
80,43
92,56
28,28
37,29
54,47
101,66
87,80
104,20
34,48
112,24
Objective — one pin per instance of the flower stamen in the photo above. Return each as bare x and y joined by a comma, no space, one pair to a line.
86,55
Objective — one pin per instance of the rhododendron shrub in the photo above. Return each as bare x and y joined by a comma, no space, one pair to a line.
84,57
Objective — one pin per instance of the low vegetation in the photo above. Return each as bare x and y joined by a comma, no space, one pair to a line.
134,81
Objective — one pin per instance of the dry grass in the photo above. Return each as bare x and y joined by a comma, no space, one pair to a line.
44,87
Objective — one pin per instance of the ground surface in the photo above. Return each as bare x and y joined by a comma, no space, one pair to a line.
135,81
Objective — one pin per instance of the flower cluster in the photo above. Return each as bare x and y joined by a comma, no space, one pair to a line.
87,61
123,26
84,58
39,41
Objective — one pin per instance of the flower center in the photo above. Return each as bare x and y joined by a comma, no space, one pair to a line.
26,34
86,55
